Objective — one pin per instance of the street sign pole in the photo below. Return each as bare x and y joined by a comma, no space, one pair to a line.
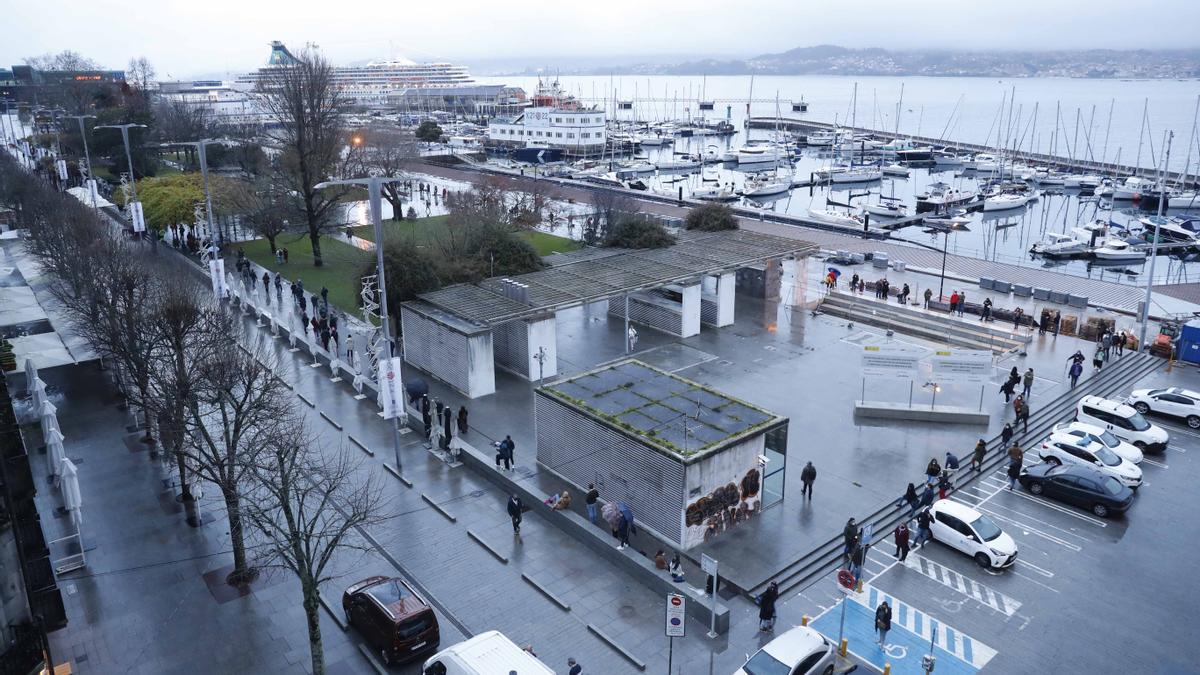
709,565
676,624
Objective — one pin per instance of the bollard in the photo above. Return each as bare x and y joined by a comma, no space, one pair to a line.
843,648
858,588
804,620
887,668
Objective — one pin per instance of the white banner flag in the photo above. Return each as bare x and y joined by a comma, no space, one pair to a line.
61,165
216,273
391,387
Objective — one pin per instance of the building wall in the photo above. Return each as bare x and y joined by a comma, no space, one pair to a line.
510,344
464,362
722,490
560,128
582,450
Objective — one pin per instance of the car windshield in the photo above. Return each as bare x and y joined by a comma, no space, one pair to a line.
1112,486
1109,440
763,663
1108,457
1138,423
985,528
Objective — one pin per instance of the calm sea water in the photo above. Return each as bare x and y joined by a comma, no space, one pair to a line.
959,108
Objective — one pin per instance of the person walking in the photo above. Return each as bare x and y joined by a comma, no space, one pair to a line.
1007,389
1075,371
1018,315
510,455
1057,321
923,522
766,607
883,621
900,536
986,314
928,297
350,349
1106,341
1006,435
1014,472
573,667
304,322
462,420
849,537
904,294
593,495
1098,358
807,476
857,557
1023,417
1015,454
1027,383
978,455
910,497
515,507
1122,338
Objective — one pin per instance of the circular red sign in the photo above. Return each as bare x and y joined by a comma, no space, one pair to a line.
845,578
676,601
391,375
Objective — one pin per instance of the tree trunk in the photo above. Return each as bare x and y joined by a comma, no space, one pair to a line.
241,573
312,612
315,237
271,243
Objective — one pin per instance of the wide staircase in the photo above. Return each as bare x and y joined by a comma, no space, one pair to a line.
1114,380
935,327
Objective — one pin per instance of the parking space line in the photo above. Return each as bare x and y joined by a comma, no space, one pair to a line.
1151,462
1045,535
1042,571
964,585
1056,507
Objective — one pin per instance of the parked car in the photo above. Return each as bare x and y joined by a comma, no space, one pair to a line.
962,527
1080,485
800,651
1123,421
1175,402
1064,448
1123,449
392,618
489,653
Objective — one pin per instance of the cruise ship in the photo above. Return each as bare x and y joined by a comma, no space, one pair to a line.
379,83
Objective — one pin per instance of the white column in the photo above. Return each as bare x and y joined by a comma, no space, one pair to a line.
543,335
691,309
481,366
726,289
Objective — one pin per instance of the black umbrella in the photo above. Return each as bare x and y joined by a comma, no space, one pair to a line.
416,388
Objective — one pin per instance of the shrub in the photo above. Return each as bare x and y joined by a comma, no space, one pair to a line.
711,218
631,232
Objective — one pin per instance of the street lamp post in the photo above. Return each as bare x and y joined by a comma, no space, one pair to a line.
1162,198
87,158
374,189
200,146
128,155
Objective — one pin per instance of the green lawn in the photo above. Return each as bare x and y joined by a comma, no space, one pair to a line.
424,229
340,273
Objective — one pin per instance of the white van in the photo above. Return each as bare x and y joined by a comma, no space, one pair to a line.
1123,421
489,653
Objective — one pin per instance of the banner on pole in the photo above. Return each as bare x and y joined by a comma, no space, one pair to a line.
216,273
962,365
391,387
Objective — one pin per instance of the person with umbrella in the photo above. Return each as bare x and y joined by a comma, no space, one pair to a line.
416,388
766,607
625,527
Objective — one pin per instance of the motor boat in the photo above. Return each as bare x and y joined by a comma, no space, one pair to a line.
1059,245
947,159
947,223
821,138
886,209
1184,200
857,174
714,193
656,140
1134,187
1170,230
941,197
635,167
729,156
1006,200
757,154
982,162
1083,182
765,187
834,217
1119,250
896,170
683,163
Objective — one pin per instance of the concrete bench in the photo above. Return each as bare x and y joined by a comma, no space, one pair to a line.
1080,301
880,260
1001,286
1058,297
1022,291
1041,294
985,282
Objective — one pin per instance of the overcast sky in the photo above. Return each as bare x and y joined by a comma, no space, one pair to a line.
213,36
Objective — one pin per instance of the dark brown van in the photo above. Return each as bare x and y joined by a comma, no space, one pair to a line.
392,618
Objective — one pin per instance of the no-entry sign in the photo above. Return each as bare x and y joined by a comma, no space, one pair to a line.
676,614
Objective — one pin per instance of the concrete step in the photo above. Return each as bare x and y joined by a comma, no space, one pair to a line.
921,324
826,557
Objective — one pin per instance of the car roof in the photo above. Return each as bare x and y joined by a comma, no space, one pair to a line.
1079,470
1108,405
795,645
1183,392
956,509
396,597
1082,426
493,652
1082,442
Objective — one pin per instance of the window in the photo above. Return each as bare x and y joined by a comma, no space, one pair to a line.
1135,422
570,135
558,120
948,521
763,663
1112,486
986,528
558,134
809,663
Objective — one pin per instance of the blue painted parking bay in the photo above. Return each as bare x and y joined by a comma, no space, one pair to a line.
907,641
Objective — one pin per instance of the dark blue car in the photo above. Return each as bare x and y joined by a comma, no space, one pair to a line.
1080,485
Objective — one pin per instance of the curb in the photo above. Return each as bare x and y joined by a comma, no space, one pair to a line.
336,616
391,469
363,446
478,540
638,663
331,421
305,399
546,592
439,509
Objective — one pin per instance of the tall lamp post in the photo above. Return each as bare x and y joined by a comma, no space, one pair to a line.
1162,198
374,188
87,159
200,145
128,155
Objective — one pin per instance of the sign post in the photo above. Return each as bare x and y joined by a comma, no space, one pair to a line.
709,565
676,623
846,582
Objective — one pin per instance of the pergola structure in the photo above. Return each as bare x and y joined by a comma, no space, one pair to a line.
459,333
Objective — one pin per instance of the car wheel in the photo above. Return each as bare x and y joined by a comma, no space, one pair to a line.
1100,510
983,560
1142,407
827,671
1193,421
1139,445
1035,488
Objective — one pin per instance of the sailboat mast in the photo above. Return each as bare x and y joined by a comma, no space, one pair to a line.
1137,165
899,107
1107,130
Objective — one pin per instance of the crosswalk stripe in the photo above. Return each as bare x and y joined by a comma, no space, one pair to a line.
924,626
968,587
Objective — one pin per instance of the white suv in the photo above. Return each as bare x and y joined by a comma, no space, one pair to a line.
962,527
1064,448
1176,402
1082,429
1123,421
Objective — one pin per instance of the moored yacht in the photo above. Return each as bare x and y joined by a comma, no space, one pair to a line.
1133,187
1119,250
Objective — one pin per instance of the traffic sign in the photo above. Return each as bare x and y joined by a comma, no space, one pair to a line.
846,581
676,615
708,565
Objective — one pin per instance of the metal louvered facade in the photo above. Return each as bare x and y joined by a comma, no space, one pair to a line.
582,451
510,346
460,360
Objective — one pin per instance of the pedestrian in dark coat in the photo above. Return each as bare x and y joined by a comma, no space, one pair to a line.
515,507
883,620
1017,316
304,322
932,471
448,428
928,297
927,497
325,339
1006,435
622,533
593,495
1023,417
944,485
849,536
462,420
900,535
923,522
1027,383
1075,371
1014,472
510,457
807,475
766,607
910,497
857,557
951,462
978,455
1015,454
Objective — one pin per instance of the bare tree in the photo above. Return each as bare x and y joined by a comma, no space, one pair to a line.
611,206
183,121
307,507
140,74
305,102
240,408
265,204
387,152
65,60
